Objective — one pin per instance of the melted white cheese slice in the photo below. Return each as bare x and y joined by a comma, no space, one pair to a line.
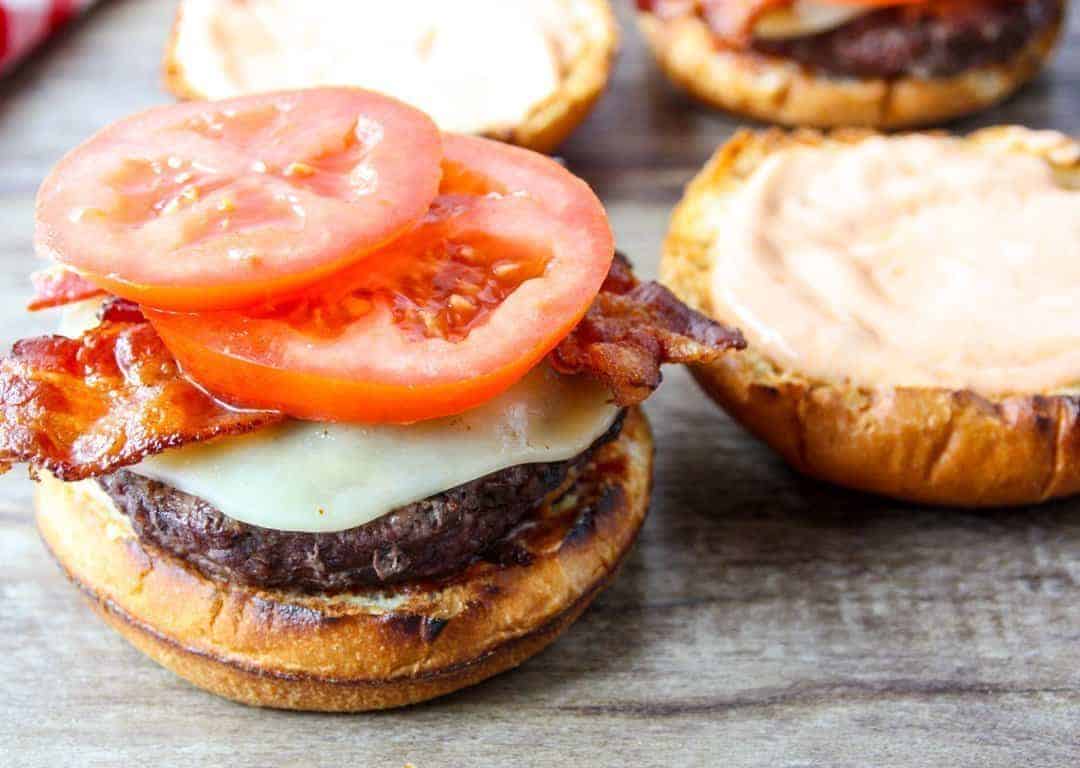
804,18
473,65
323,477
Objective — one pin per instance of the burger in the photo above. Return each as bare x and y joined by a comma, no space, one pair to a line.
871,63
344,411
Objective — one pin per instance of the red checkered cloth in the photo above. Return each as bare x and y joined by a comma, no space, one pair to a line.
26,23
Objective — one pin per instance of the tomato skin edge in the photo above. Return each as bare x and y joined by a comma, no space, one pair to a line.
876,3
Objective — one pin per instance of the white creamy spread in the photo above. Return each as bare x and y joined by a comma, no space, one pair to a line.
473,65
804,18
909,261
322,477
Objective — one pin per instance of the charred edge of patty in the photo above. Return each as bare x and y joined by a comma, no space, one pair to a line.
427,539
889,43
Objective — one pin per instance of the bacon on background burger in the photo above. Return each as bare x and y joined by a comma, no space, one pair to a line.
876,63
344,416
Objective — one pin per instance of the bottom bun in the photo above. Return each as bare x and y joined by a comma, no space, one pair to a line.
362,649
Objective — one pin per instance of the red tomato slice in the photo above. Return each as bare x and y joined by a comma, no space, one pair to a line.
441,320
218,205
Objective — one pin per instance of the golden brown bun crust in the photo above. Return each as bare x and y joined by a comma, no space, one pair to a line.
780,91
934,446
364,650
549,123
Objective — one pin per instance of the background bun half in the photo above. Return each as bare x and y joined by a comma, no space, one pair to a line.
930,445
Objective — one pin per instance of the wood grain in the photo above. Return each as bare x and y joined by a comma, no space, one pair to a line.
762,621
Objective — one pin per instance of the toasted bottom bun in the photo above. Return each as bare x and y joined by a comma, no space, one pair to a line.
781,91
359,650
548,124
936,446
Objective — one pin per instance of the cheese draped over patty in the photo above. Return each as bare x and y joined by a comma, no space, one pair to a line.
323,477
476,66
905,262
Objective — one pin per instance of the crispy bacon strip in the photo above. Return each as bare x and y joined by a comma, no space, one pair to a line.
85,407
58,285
633,328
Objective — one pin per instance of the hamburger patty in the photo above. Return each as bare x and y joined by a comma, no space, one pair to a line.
433,537
895,42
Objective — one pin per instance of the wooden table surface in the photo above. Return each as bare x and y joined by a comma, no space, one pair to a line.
763,620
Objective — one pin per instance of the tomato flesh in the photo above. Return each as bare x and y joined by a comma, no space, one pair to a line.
504,265
220,205
436,286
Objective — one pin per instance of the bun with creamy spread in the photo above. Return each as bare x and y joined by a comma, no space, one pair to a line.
527,72
908,306
824,64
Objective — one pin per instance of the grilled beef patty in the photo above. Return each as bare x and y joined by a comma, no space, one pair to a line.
434,537
896,42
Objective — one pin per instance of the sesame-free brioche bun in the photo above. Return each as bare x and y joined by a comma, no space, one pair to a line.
548,123
363,649
931,445
782,91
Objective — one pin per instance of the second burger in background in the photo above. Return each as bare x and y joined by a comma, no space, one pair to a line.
355,424
873,63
